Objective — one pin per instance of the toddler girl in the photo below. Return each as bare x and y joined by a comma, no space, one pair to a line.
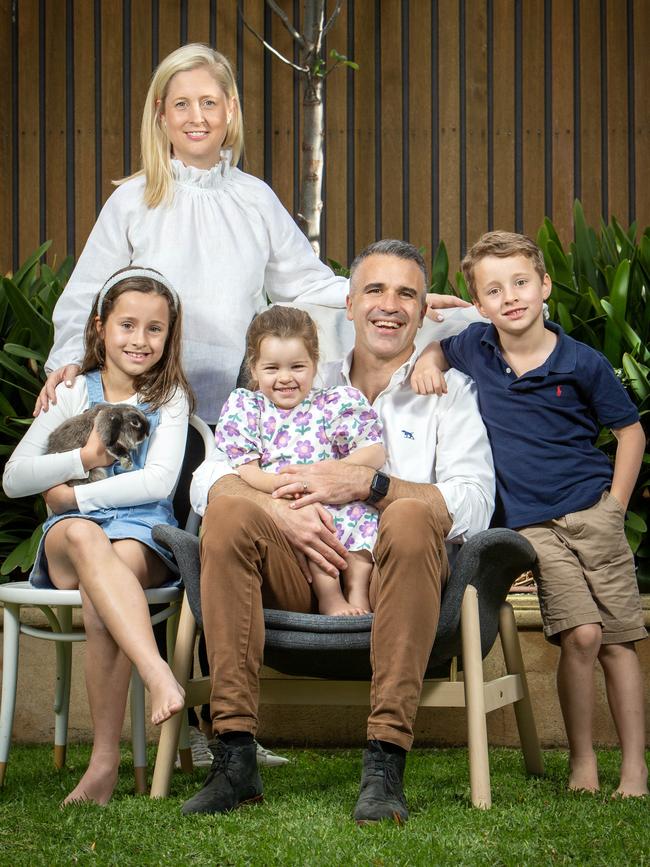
98,537
286,421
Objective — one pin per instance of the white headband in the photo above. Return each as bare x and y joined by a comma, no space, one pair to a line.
134,272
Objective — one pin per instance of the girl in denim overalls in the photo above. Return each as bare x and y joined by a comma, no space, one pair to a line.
98,537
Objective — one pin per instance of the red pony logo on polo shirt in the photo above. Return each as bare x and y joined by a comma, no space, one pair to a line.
558,391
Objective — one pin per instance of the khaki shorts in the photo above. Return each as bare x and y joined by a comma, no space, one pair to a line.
587,573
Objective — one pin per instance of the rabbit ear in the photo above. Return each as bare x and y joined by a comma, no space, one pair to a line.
114,428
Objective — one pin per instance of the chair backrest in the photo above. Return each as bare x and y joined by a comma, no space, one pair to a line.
200,444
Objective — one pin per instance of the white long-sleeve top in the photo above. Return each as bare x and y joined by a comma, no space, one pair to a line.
30,471
225,243
428,439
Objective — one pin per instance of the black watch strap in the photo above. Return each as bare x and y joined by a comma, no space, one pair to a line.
378,487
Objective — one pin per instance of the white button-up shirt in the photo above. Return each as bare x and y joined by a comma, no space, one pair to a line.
428,439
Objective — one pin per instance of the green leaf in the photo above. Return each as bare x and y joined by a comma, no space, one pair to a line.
440,270
463,291
29,263
24,352
22,556
27,315
585,247
637,375
636,522
628,333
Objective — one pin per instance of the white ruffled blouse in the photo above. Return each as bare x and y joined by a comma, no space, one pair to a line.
225,243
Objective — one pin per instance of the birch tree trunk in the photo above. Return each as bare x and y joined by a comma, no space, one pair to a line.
311,180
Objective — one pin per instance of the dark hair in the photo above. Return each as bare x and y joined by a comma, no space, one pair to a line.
392,247
284,323
157,385
502,245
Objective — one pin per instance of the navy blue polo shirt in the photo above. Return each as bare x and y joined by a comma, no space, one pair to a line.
543,425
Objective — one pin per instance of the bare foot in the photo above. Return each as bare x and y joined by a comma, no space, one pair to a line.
167,696
97,784
359,599
583,774
339,608
634,783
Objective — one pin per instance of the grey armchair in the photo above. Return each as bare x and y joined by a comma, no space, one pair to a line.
326,659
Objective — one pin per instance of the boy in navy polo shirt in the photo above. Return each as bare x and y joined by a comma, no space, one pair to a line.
544,397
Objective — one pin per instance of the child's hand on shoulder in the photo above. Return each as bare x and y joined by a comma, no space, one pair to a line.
427,378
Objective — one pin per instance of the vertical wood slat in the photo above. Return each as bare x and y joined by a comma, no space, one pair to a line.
503,135
55,131
141,63
84,114
198,21
112,95
364,123
590,85
405,191
533,142
617,110
252,63
29,133
282,121
476,119
642,111
335,212
563,132
7,228
391,120
449,116
421,168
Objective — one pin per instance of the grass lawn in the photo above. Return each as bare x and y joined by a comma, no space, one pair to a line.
305,818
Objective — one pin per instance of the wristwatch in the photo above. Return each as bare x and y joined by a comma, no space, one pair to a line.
378,487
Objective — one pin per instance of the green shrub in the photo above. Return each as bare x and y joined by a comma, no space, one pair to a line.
27,300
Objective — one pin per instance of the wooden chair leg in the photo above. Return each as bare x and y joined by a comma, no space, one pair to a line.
180,665
138,733
479,764
10,650
62,690
523,708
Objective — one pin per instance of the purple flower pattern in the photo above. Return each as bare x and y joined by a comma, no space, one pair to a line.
329,423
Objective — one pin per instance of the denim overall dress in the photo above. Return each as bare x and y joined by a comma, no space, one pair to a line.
128,522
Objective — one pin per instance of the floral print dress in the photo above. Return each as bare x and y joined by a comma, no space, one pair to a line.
329,424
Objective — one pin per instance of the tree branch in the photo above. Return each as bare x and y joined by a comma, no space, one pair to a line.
332,19
268,46
284,18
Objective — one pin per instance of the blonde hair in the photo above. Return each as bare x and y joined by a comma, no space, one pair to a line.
502,245
154,145
157,385
283,323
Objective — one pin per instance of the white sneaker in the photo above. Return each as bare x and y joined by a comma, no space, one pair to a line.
266,757
201,754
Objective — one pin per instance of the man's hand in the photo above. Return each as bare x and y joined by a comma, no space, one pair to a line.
336,482
47,395
312,534
60,498
436,302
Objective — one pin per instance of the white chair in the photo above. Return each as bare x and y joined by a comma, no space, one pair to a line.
57,606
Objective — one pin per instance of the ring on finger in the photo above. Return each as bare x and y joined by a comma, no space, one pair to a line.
304,487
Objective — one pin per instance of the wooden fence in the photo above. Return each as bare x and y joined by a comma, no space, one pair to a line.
464,115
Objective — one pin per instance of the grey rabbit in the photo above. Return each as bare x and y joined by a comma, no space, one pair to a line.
121,429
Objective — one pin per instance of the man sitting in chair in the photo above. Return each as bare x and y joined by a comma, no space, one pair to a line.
438,486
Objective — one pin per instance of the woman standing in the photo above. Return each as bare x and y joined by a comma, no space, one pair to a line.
220,236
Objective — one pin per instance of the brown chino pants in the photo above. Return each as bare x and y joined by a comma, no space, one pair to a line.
248,565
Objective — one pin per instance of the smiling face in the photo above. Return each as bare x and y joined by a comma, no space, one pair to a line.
510,293
386,304
135,332
195,117
284,371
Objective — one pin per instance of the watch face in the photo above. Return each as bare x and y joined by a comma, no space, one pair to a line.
379,486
